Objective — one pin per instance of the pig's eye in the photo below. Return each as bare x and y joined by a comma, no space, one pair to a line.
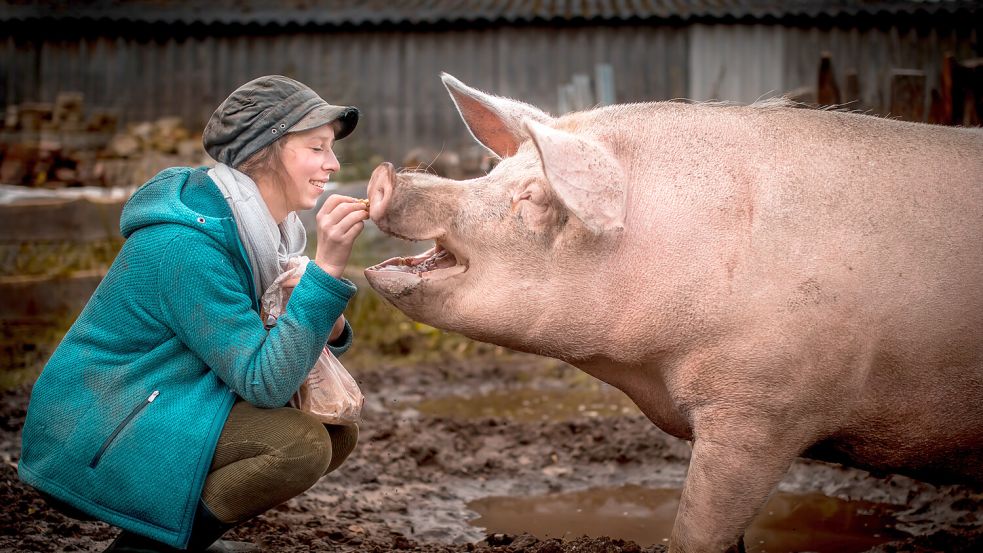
518,199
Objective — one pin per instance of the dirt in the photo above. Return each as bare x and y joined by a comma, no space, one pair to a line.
408,483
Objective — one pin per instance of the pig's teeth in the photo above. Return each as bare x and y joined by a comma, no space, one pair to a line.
433,260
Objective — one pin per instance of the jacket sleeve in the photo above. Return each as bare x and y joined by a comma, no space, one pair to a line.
341,344
205,302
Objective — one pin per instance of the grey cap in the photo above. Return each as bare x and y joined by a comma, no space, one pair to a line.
263,110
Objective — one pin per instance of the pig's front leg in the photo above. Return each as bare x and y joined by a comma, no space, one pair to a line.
730,477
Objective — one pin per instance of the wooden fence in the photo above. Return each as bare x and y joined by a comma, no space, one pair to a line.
957,98
54,253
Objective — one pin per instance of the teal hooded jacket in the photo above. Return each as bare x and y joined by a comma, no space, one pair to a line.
124,419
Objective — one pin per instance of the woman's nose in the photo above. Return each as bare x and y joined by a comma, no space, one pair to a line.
331,162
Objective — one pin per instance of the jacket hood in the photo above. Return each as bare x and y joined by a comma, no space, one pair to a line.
182,196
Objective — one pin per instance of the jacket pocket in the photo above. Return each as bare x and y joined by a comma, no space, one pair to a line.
119,427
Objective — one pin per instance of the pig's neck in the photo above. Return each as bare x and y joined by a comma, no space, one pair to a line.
646,387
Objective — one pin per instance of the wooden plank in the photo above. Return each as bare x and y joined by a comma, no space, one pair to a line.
947,91
908,94
827,91
79,220
46,297
972,86
604,84
851,93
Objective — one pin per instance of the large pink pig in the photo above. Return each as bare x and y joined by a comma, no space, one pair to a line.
765,281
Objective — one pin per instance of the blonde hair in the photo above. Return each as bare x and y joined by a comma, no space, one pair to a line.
268,160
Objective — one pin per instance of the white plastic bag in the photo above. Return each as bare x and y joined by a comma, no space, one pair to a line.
329,393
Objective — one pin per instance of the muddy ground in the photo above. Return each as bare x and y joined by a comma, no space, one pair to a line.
409,482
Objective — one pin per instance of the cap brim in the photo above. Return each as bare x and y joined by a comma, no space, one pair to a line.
326,114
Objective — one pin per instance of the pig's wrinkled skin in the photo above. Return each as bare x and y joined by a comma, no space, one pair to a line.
765,281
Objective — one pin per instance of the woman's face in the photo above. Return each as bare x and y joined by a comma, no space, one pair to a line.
308,160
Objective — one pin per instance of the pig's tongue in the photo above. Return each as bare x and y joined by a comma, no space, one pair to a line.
432,260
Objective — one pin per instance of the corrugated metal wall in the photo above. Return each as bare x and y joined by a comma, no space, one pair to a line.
393,75
873,53
744,62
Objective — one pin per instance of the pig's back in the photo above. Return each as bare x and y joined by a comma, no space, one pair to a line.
794,206
891,209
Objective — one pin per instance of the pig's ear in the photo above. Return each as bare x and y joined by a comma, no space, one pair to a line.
583,175
495,122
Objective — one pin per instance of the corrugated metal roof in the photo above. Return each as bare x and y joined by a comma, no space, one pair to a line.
380,12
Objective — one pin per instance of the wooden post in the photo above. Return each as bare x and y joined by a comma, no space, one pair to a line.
582,92
851,94
827,93
604,84
972,73
908,94
936,109
564,94
947,111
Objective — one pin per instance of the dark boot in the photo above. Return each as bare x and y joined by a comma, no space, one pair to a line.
207,530
205,534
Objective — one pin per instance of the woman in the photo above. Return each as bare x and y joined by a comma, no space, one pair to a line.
161,411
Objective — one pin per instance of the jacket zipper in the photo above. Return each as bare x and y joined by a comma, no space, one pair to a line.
119,428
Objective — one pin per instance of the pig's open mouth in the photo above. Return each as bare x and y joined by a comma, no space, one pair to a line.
435,263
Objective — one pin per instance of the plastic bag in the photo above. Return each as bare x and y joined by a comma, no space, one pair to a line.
329,393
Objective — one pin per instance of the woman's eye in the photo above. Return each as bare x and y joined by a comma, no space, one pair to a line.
318,149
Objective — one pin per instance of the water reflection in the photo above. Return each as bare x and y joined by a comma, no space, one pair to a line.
531,405
788,522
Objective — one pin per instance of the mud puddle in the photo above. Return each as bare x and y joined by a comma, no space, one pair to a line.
531,405
789,522
517,427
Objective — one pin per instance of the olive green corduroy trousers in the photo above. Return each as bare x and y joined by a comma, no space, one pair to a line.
267,456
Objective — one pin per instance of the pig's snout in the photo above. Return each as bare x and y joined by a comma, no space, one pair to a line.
380,190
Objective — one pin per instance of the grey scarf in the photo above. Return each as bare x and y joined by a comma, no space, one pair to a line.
267,244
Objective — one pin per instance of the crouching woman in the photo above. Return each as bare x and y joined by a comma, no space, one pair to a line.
162,410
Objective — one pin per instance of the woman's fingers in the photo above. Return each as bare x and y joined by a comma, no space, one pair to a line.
339,222
337,202
336,232
333,201
354,231
352,219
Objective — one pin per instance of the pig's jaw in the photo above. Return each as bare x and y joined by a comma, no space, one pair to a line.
399,276
433,264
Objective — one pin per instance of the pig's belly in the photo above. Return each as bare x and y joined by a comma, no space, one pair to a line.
940,460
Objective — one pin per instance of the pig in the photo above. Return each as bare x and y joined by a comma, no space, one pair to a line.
764,281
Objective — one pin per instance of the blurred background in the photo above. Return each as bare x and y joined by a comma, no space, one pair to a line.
99,95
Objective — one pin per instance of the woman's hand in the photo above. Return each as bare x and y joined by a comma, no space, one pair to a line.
288,288
337,329
339,221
